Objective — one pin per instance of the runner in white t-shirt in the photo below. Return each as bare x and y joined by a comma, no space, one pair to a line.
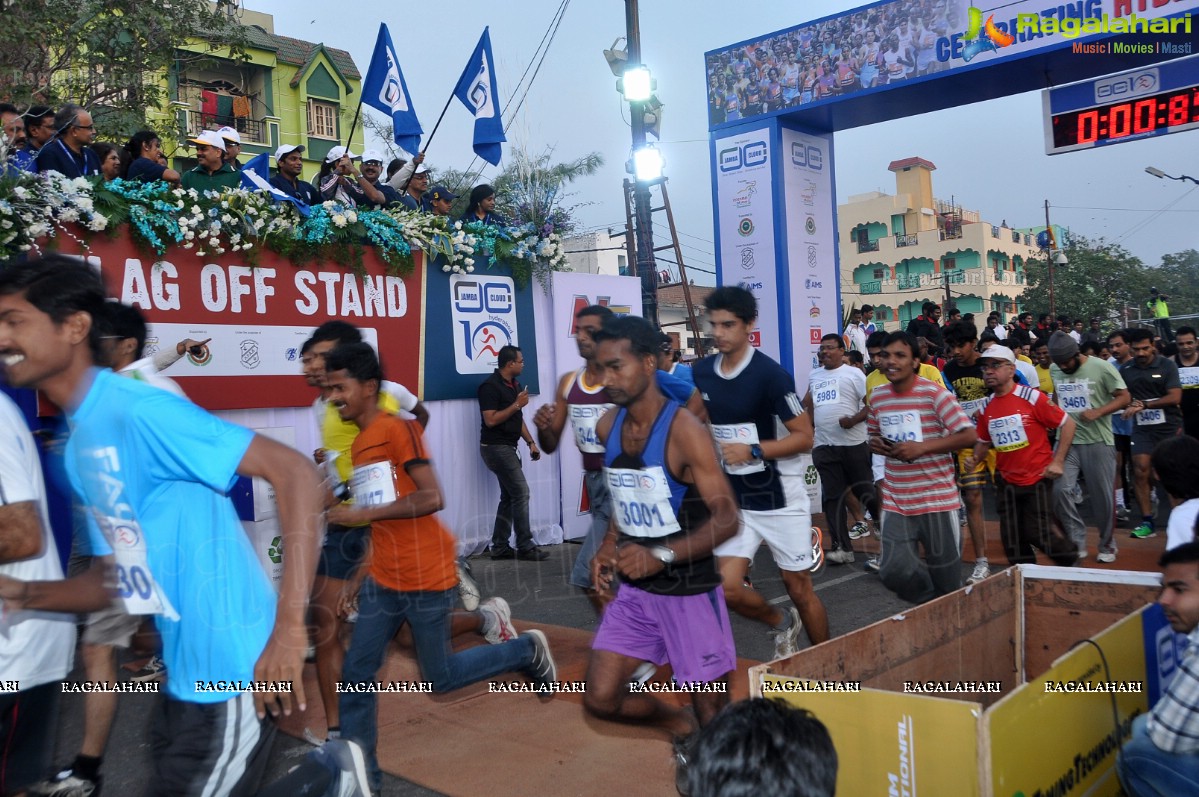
836,399
1176,463
36,648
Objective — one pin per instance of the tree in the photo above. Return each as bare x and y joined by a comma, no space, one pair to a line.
1099,279
1178,278
110,56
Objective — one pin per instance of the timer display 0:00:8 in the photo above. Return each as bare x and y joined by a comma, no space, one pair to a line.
1132,117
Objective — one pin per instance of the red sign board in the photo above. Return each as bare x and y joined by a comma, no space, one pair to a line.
258,317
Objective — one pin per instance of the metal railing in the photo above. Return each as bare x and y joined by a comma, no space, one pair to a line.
867,246
251,130
906,240
874,286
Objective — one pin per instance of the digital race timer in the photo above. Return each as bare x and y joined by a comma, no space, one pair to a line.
1154,114
1144,102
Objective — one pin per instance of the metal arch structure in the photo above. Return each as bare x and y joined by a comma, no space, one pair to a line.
773,172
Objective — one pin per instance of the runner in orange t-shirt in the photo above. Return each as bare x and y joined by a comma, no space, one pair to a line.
411,574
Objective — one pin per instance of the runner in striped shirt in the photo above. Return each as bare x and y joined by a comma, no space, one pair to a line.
917,425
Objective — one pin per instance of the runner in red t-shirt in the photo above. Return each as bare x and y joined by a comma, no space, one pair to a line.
1016,421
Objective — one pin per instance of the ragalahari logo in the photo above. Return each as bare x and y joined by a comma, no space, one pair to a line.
982,37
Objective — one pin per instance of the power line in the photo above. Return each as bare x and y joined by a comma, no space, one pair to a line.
1142,224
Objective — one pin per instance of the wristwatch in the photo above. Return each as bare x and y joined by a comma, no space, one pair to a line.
755,451
662,554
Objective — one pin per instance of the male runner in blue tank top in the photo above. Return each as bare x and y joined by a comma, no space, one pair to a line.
671,506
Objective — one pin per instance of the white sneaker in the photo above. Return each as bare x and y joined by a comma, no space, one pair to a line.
468,588
347,755
499,619
859,530
1106,557
786,641
982,569
840,557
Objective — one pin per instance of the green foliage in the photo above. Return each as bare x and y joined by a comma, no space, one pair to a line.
110,56
1099,279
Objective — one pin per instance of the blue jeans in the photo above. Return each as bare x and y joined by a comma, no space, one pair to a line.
1148,771
513,511
601,514
381,612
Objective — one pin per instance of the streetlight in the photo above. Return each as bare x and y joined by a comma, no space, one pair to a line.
1058,260
1156,172
647,164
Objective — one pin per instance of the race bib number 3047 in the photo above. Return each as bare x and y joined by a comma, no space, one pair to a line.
373,484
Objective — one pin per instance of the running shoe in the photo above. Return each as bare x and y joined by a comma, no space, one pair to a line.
1121,513
963,516
982,569
1106,557
681,748
786,641
66,784
1143,530
153,670
859,530
348,758
840,557
468,588
645,670
872,565
817,550
542,670
498,621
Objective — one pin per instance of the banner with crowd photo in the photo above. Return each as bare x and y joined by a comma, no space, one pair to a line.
256,316
571,293
468,319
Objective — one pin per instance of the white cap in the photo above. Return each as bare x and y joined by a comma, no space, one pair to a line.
229,134
210,138
373,155
286,149
420,169
998,353
337,153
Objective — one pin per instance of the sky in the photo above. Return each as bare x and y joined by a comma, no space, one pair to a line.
989,156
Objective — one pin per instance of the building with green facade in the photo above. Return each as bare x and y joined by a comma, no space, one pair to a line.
287,91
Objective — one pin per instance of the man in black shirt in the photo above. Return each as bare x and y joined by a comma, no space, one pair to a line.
290,160
501,399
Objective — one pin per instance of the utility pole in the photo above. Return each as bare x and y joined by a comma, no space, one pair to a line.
645,264
1049,258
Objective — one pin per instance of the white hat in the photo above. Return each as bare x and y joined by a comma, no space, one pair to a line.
998,353
373,155
420,169
229,134
209,138
337,153
286,149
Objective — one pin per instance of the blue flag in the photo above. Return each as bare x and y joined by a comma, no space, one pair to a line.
384,89
255,176
476,88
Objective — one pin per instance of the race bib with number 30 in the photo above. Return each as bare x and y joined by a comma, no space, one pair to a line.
135,583
641,501
744,433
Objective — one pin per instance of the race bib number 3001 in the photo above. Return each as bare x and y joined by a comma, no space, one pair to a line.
641,501
1007,433
373,484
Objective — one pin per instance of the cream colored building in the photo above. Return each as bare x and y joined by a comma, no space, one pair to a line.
899,251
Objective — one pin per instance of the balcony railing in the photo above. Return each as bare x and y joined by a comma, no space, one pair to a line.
904,282
867,246
874,286
1015,237
906,240
950,233
994,230
251,130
